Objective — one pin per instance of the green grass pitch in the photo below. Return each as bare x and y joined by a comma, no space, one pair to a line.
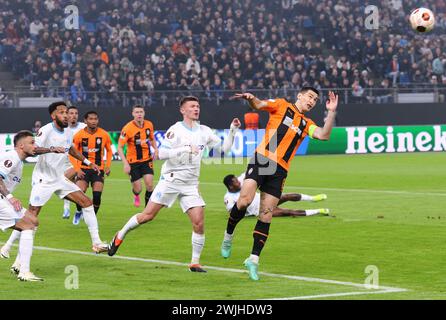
389,212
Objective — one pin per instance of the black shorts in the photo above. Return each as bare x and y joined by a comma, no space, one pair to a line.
269,175
92,176
140,169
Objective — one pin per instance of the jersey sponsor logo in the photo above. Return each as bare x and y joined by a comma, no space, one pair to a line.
8,163
92,150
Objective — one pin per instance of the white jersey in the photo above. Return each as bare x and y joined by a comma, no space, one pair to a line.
186,168
232,197
75,129
51,166
11,167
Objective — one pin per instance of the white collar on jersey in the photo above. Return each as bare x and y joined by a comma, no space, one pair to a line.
196,125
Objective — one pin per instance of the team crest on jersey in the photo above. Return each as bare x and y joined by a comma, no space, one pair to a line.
8,163
170,135
250,171
98,141
147,132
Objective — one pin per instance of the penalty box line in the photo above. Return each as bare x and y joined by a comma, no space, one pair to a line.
377,290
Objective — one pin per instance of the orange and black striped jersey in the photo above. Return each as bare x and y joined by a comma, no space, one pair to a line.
286,129
92,146
137,140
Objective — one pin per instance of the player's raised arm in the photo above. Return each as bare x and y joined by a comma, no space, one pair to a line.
325,132
215,141
253,101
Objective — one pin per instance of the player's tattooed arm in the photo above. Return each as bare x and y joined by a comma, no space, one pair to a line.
79,156
40,150
3,190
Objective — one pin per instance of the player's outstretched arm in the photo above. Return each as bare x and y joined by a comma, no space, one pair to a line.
332,105
40,150
254,102
229,140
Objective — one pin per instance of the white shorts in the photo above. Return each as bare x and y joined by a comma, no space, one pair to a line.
8,216
166,193
43,190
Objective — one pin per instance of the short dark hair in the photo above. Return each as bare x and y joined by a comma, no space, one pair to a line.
22,134
54,106
187,99
228,180
137,106
307,88
90,112
72,107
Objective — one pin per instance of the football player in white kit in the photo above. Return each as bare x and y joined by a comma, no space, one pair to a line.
48,175
74,127
12,214
182,149
234,185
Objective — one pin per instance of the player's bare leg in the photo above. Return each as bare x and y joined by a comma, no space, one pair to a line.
86,204
83,185
196,216
149,213
261,231
70,173
247,194
301,197
136,189
148,181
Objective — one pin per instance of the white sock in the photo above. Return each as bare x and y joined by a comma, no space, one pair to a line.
312,212
92,224
254,258
15,235
26,249
228,237
130,225
305,197
66,205
197,247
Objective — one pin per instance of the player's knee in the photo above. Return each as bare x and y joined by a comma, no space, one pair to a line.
244,202
85,203
198,227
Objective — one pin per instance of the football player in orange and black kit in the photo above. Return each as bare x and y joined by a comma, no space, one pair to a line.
268,168
138,134
92,141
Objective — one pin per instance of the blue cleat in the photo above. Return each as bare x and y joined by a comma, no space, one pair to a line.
66,214
252,269
77,217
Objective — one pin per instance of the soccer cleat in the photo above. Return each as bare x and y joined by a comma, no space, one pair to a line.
226,247
196,268
66,214
319,197
100,247
4,253
15,268
324,211
136,201
252,269
28,276
77,217
114,245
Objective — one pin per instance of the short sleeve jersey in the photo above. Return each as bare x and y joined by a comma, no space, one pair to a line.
92,146
137,140
11,168
285,131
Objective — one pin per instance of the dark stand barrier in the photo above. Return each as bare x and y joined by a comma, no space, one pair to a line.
219,117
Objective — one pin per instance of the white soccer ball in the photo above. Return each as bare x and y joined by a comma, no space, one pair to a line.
422,20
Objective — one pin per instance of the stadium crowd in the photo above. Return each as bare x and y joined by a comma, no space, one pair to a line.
205,47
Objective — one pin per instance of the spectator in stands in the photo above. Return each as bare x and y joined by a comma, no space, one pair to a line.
78,94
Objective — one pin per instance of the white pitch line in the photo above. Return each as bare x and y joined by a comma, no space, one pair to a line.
327,189
382,289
